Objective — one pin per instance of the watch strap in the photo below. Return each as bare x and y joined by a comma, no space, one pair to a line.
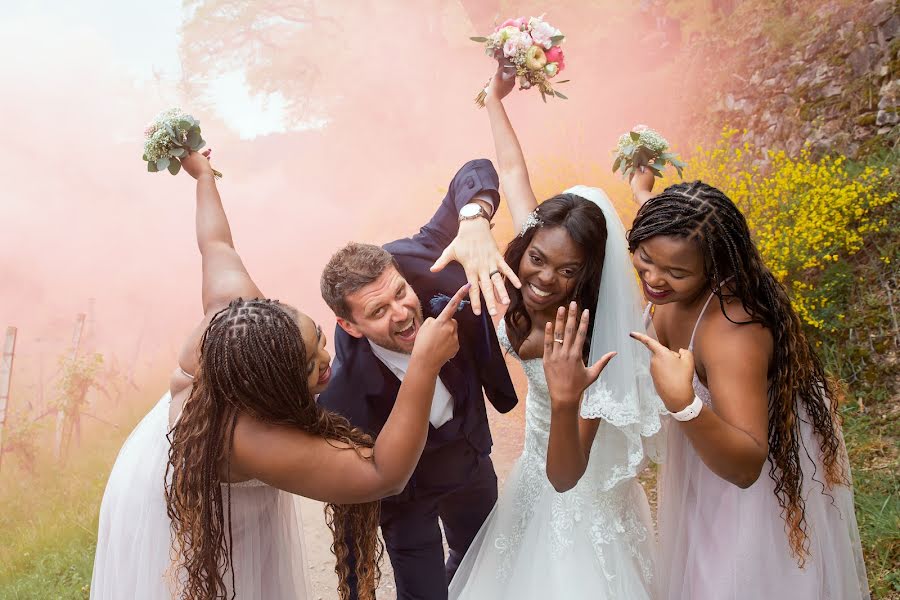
690,411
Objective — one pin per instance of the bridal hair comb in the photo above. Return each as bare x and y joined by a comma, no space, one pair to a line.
531,220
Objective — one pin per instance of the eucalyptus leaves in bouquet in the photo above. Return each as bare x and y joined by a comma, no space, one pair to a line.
643,146
169,137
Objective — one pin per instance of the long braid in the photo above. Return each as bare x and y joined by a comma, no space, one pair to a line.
701,212
252,361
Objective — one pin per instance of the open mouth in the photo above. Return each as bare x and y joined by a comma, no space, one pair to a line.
325,377
408,334
653,293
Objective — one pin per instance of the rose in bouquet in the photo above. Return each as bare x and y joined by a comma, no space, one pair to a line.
644,147
530,46
169,137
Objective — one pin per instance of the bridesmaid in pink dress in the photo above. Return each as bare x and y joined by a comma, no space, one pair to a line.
755,497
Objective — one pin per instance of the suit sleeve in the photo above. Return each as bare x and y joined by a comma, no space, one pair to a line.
476,177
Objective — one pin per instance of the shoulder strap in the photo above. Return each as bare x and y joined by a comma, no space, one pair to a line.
699,318
702,312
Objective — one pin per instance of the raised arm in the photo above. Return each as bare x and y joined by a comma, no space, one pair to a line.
642,185
304,464
474,247
224,275
510,160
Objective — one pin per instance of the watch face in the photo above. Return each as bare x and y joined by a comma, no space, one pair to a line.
470,210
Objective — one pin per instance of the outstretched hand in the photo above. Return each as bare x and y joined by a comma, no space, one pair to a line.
567,375
475,249
672,372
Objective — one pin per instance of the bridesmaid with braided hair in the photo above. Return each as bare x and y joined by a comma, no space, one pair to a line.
200,502
755,496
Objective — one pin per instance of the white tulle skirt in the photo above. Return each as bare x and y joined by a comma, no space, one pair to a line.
134,544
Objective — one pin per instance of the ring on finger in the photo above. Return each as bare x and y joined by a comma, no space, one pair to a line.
494,272
558,340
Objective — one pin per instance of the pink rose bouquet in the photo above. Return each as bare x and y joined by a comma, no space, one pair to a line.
532,47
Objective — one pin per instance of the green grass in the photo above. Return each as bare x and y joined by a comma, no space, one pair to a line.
50,522
872,442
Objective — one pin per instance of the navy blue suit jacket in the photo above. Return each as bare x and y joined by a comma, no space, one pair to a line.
364,390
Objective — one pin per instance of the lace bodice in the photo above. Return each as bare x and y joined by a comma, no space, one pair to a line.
537,401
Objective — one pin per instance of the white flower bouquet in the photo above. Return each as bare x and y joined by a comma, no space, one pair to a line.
645,147
169,137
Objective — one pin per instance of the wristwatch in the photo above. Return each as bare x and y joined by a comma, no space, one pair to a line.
690,411
473,211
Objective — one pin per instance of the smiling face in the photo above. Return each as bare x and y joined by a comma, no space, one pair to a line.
549,269
318,360
671,269
386,311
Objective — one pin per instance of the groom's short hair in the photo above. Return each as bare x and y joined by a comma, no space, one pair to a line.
352,268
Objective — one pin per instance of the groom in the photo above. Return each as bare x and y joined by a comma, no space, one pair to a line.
377,295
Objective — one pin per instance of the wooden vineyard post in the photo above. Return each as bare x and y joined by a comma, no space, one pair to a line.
9,351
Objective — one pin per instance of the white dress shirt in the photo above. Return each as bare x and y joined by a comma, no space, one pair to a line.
398,364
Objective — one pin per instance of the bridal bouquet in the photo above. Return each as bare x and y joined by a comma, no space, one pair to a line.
643,146
532,48
170,136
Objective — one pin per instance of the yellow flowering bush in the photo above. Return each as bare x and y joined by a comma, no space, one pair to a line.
805,214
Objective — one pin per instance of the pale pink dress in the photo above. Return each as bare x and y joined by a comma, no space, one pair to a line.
721,542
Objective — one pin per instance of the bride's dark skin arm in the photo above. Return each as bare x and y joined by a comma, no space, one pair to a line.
571,436
511,167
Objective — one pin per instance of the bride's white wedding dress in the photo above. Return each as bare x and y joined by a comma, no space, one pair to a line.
134,541
595,541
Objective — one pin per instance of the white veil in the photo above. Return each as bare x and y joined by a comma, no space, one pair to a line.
623,397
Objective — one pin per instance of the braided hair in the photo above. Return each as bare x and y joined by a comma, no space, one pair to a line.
585,223
252,361
702,213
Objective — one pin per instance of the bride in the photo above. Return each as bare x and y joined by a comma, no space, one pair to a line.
573,521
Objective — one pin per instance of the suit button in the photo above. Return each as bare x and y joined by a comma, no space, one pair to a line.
470,182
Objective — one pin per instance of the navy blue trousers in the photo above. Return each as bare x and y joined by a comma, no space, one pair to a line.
454,483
